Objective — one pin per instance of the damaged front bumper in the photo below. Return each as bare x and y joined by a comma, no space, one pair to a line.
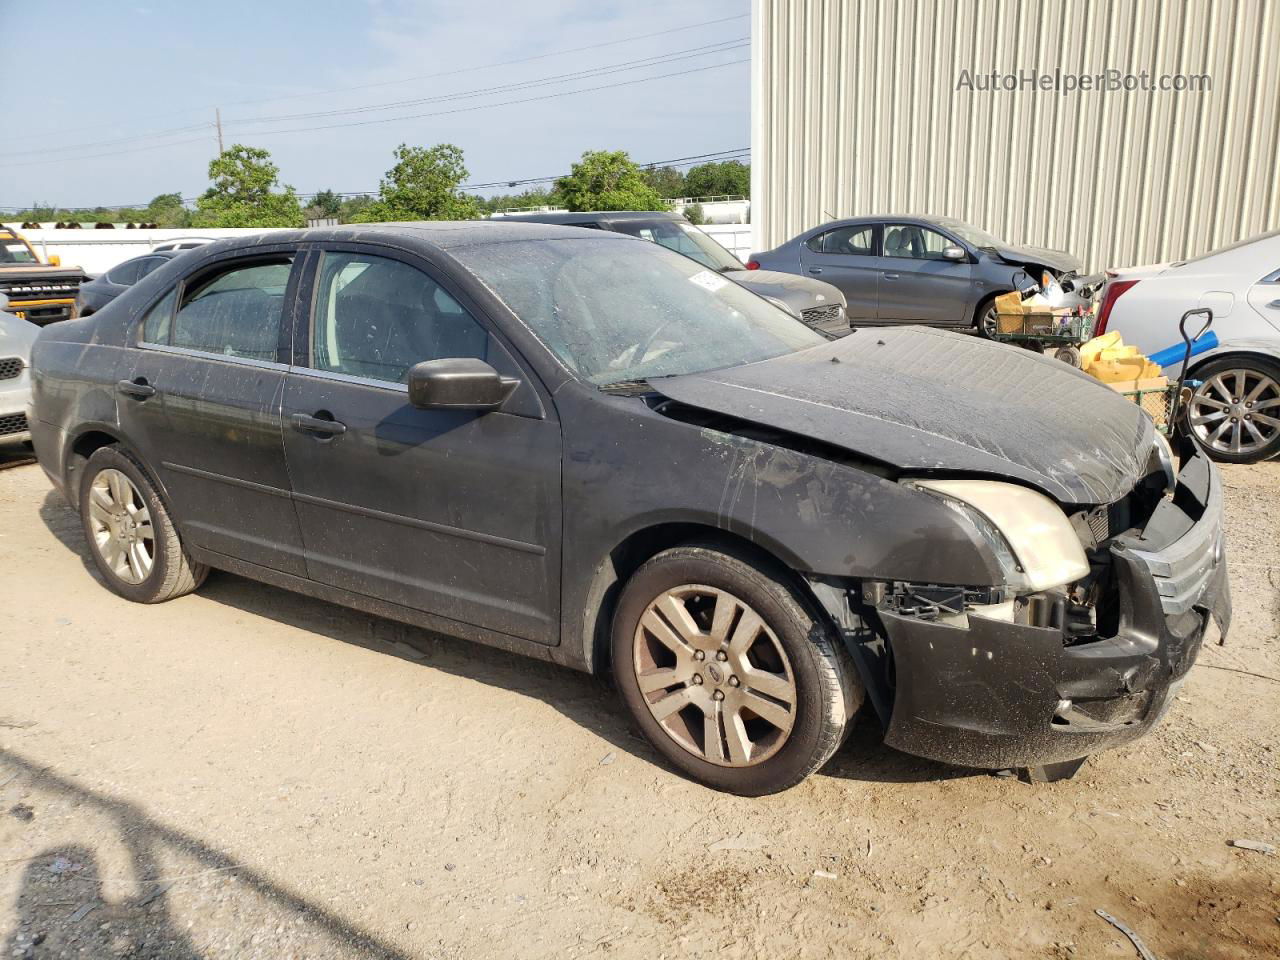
996,694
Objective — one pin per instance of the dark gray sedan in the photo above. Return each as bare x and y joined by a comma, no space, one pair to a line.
908,269
597,452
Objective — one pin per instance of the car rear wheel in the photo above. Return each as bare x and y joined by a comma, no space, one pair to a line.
727,672
1235,412
134,543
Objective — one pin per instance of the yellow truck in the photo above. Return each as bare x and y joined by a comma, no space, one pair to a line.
42,293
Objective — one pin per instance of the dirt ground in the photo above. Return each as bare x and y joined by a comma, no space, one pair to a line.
249,773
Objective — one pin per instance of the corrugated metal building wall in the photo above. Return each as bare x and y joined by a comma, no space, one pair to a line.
855,111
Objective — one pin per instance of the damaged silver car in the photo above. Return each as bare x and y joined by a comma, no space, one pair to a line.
597,452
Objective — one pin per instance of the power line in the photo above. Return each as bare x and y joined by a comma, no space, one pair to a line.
662,58
670,57
417,116
718,155
444,73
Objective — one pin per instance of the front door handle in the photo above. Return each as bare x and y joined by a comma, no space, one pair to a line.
318,425
815,270
891,276
1274,304
138,389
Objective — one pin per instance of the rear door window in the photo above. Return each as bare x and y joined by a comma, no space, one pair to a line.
852,241
234,312
126,274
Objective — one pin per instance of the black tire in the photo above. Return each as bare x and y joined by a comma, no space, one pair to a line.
1256,370
984,318
173,573
827,690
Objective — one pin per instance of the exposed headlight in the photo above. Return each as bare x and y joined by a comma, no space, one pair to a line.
1029,534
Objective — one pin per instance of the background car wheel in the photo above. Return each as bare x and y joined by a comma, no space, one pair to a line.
132,540
985,320
1235,412
728,673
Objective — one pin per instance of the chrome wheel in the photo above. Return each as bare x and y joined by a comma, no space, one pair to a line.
121,526
714,676
1236,412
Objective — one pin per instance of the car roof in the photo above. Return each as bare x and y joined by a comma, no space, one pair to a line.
593,216
441,234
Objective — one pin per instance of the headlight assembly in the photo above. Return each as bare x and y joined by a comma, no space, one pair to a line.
1029,534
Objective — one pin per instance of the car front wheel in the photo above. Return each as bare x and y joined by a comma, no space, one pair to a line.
1234,413
134,543
728,673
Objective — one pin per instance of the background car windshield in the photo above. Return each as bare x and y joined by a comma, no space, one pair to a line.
14,251
615,311
682,238
971,234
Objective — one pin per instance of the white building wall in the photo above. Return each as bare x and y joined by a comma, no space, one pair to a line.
855,111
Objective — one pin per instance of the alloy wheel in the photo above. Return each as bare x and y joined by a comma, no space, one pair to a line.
989,325
714,676
121,524
1236,412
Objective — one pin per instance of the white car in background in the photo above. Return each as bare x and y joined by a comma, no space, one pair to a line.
1235,411
16,337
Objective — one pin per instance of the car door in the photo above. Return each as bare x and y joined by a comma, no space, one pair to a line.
917,283
845,257
452,512
201,405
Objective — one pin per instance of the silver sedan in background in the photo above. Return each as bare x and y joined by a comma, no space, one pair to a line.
16,337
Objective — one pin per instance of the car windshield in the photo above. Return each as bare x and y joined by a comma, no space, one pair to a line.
682,238
969,233
14,251
615,311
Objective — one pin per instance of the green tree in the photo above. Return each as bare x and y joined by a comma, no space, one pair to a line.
668,181
326,203
351,208
607,180
242,194
167,211
423,185
727,178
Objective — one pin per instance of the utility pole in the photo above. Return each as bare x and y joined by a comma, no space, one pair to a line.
217,112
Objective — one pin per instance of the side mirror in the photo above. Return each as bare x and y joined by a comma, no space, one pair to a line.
458,383
953,252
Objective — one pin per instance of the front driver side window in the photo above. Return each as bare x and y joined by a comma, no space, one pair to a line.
234,312
913,242
376,317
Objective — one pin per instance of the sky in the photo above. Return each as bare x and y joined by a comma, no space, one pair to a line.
131,89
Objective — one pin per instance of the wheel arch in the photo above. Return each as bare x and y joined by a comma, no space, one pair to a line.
645,542
88,440
1271,360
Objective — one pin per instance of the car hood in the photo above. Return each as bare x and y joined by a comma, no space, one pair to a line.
799,293
16,336
1058,260
925,401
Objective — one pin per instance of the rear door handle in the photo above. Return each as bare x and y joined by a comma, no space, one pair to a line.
815,270
317,425
891,276
138,389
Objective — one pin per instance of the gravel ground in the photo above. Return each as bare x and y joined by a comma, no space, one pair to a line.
248,773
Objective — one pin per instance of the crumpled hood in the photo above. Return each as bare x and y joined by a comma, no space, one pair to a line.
930,400
1058,260
799,293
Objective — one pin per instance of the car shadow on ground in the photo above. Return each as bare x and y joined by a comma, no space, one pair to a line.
587,701
62,907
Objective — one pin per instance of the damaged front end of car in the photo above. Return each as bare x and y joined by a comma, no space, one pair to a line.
1101,614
